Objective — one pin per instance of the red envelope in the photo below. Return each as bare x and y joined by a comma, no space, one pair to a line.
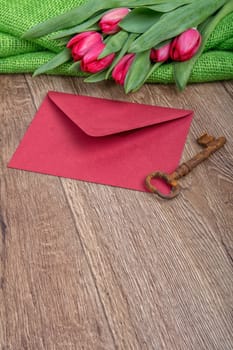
104,141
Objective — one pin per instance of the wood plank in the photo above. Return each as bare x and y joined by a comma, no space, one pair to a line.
163,270
48,296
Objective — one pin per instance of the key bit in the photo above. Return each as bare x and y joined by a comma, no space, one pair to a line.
210,144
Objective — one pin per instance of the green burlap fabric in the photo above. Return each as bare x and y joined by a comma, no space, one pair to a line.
21,56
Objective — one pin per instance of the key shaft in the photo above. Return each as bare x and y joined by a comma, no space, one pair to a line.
210,145
188,166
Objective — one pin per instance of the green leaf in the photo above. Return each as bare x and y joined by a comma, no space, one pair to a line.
75,67
64,41
124,49
95,78
73,32
175,22
114,43
170,5
151,71
183,70
90,24
68,19
139,20
56,61
80,14
163,43
201,27
138,71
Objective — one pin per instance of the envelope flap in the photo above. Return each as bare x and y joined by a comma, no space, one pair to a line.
102,117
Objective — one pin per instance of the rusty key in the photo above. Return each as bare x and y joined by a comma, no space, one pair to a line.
211,145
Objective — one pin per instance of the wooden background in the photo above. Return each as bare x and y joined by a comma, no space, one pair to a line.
87,266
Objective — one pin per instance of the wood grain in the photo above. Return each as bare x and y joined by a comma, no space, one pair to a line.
87,266
48,294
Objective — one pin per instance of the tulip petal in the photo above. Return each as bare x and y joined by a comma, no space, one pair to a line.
109,22
185,45
90,62
121,69
99,65
78,37
160,55
82,43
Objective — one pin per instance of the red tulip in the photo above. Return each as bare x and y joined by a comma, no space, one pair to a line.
185,45
109,22
121,69
80,44
90,62
161,54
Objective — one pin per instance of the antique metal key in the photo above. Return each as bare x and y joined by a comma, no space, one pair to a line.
211,145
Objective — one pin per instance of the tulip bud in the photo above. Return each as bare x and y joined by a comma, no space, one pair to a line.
90,62
121,69
81,43
161,54
185,45
109,22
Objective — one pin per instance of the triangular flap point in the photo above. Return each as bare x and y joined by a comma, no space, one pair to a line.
101,117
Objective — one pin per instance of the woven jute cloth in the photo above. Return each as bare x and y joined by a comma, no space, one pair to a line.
21,56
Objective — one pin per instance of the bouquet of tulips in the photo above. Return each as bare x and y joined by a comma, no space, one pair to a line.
128,40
